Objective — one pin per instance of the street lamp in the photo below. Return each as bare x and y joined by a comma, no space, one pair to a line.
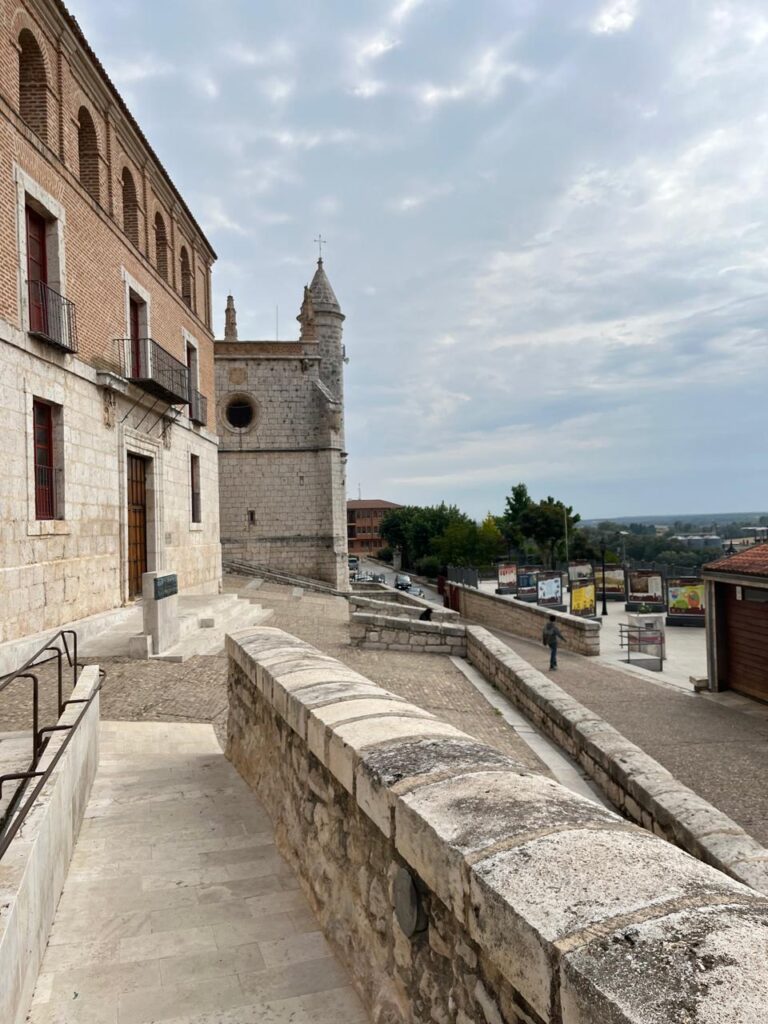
602,558
624,534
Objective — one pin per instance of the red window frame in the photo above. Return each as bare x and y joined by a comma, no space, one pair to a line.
194,480
37,268
45,473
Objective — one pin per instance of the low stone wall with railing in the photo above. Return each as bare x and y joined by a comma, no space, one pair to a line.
401,633
458,886
387,605
523,619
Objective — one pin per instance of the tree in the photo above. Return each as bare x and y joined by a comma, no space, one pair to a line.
544,523
415,529
517,503
490,541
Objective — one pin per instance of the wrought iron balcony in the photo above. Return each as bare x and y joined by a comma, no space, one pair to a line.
52,317
198,407
156,371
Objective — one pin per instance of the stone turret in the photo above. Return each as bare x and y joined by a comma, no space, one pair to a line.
328,319
306,318
230,320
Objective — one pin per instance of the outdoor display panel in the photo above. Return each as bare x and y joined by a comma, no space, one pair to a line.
615,583
580,571
583,598
507,579
646,587
685,601
527,584
550,590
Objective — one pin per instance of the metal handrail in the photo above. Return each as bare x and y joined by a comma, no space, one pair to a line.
145,362
52,317
49,652
198,407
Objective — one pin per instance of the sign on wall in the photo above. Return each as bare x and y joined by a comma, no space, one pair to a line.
550,589
685,598
645,586
166,586
614,582
583,598
508,578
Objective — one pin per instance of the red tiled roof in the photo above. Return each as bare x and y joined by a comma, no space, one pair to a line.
752,562
371,503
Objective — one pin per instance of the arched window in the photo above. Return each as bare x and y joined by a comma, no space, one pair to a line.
33,85
161,246
186,277
88,152
130,207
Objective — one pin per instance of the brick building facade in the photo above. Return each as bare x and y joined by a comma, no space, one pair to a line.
282,475
364,517
109,460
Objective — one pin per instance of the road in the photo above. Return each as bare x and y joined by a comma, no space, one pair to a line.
374,568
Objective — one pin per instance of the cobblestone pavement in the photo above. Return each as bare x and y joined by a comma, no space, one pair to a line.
718,750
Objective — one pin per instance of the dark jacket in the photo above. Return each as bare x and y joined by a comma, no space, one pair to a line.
551,635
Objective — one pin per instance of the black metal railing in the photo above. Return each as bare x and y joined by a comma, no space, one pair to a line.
47,501
61,646
52,318
146,363
198,407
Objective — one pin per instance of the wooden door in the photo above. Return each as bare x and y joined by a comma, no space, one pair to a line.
746,639
137,523
45,492
37,270
135,320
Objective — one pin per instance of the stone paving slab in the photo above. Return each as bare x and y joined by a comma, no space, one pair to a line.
177,906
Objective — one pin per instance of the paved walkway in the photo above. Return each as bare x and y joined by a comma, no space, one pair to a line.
177,906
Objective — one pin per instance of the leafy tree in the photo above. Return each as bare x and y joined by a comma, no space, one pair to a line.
490,541
517,504
544,523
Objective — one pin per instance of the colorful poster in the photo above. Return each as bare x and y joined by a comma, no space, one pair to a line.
527,589
580,571
685,596
614,582
550,588
508,577
646,586
583,598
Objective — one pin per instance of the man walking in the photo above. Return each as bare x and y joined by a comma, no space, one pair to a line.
549,638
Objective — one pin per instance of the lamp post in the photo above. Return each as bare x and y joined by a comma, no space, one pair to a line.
602,558
624,534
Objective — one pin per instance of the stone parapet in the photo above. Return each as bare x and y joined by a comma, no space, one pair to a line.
460,887
640,787
402,633
387,606
527,620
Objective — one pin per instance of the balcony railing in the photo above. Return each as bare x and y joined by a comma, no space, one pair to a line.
198,407
52,318
156,371
47,500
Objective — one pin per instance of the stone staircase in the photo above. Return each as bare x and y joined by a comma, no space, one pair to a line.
238,567
204,621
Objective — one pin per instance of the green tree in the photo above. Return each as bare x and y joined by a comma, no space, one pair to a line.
517,504
490,541
544,523
458,544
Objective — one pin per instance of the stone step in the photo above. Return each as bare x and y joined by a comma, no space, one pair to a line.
211,641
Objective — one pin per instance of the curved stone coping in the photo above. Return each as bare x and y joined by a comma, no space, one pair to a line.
400,608
576,908
405,622
641,787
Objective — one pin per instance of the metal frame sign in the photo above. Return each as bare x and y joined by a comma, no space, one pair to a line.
685,598
580,571
550,589
645,586
527,583
508,577
615,582
166,586
583,598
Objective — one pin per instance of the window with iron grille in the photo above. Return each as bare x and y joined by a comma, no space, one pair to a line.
194,478
47,499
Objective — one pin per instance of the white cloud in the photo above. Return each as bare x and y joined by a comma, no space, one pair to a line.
127,71
403,9
276,53
483,80
206,85
615,16
415,200
375,47
368,88
277,90
328,206
214,217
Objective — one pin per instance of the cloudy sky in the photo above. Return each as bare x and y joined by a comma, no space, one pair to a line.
546,224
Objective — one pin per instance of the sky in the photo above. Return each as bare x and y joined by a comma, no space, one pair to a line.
545,223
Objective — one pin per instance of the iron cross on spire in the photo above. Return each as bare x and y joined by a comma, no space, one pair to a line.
320,243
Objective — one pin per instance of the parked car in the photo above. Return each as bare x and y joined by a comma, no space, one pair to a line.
402,582
379,577
416,591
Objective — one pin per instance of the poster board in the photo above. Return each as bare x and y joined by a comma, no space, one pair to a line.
685,601
615,583
645,587
550,590
507,579
580,571
527,583
583,598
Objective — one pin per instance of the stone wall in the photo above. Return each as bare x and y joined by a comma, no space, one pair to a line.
401,633
389,606
34,868
640,787
460,888
527,620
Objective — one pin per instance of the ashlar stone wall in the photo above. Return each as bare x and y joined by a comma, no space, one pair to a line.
459,887
403,633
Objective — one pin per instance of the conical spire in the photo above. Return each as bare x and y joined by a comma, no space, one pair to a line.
306,317
323,297
230,320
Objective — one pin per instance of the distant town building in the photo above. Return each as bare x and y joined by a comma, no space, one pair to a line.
282,463
699,540
737,622
106,350
364,516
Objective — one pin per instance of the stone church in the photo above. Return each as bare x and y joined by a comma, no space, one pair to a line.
280,409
